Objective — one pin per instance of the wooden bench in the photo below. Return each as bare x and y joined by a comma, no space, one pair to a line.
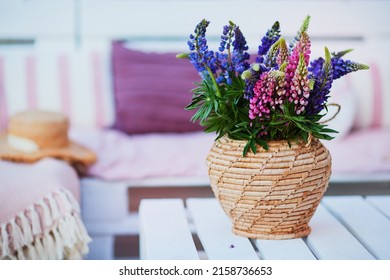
344,227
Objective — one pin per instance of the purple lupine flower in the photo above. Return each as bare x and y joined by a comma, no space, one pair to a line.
200,56
222,60
322,85
251,77
267,41
342,67
315,67
226,37
240,55
235,60
262,102
270,59
299,88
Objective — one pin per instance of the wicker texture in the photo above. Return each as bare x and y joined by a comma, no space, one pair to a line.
271,194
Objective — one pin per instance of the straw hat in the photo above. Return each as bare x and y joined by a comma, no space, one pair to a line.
33,135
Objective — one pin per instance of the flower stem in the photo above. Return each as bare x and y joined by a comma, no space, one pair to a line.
218,93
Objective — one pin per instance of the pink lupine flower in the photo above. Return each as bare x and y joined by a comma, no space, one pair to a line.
283,52
303,47
299,88
262,101
280,90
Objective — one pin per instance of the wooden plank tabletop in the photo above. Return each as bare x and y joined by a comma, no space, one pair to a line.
164,231
343,227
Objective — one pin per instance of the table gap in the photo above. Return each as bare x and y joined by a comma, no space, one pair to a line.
376,207
258,252
304,239
198,245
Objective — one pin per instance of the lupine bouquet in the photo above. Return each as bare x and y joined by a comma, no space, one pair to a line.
280,96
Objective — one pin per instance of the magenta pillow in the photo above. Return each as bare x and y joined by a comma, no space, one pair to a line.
151,91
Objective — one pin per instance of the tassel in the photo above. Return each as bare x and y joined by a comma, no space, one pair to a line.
58,243
47,221
48,245
41,255
83,234
64,202
65,230
36,224
73,202
16,236
20,254
26,227
31,252
4,236
55,214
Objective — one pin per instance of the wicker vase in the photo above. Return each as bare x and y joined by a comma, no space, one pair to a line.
271,194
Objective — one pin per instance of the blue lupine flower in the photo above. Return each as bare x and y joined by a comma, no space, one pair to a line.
250,83
200,56
342,67
315,67
235,61
322,85
226,37
267,41
240,55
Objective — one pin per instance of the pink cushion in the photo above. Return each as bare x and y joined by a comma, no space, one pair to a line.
362,152
124,157
151,91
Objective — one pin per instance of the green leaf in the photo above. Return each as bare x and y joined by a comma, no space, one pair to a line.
328,130
322,136
262,143
246,149
253,145
182,55
341,53
305,136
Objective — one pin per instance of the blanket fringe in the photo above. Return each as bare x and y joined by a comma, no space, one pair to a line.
49,229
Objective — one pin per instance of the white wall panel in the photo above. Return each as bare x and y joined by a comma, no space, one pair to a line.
117,18
53,19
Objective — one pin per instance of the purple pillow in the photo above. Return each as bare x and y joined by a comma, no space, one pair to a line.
151,91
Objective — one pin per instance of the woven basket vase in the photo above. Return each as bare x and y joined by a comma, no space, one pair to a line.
271,194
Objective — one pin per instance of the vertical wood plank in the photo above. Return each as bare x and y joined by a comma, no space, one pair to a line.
292,249
214,230
330,240
164,231
366,223
382,203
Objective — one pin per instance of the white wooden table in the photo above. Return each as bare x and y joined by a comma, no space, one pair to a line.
343,227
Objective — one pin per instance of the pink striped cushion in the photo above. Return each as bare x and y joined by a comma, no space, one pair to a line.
76,83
